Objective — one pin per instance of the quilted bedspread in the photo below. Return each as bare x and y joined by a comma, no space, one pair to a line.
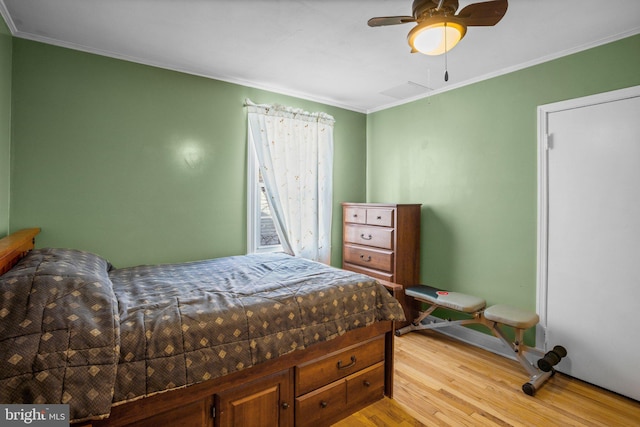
59,332
101,337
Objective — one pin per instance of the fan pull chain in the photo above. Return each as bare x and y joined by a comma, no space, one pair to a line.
446,72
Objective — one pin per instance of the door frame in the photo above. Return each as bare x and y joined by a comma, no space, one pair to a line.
544,142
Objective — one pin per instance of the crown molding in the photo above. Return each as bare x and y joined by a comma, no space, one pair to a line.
4,12
508,70
173,67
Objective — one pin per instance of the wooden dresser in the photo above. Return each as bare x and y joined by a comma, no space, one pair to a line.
383,241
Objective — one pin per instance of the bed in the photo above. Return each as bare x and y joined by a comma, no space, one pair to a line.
264,339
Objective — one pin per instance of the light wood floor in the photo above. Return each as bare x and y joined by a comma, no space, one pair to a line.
440,381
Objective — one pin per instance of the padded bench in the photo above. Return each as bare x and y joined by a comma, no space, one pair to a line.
492,317
453,300
511,316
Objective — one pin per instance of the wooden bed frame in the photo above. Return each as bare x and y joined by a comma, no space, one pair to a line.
15,246
316,386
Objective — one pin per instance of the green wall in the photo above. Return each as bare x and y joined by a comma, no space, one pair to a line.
470,157
99,157
5,125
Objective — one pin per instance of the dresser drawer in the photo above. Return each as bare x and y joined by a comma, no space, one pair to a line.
388,276
319,406
334,366
380,216
369,236
368,215
355,215
378,259
366,386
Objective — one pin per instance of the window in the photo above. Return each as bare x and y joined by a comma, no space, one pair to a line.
294,150
261,231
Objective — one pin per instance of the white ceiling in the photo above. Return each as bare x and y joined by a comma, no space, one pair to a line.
321,50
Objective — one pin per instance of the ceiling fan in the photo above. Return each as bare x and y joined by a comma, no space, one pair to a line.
439,28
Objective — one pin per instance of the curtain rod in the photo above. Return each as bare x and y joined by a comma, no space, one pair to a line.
291,110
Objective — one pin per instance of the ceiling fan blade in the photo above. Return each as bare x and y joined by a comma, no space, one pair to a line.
483,14
390,20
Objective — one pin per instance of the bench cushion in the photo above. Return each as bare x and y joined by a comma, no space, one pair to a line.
454,300
512,316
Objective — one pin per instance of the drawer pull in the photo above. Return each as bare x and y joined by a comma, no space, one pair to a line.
285,405
366,383
324,404
378,217
365,260
363,237
353,362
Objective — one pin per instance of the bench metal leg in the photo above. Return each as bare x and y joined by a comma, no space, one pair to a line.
417,324
536,377
536,381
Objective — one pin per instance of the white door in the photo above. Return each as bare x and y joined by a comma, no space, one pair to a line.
592,187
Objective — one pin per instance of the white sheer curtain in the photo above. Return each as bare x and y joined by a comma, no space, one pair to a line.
295,155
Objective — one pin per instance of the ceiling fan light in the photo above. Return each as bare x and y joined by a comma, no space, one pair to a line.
429,37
